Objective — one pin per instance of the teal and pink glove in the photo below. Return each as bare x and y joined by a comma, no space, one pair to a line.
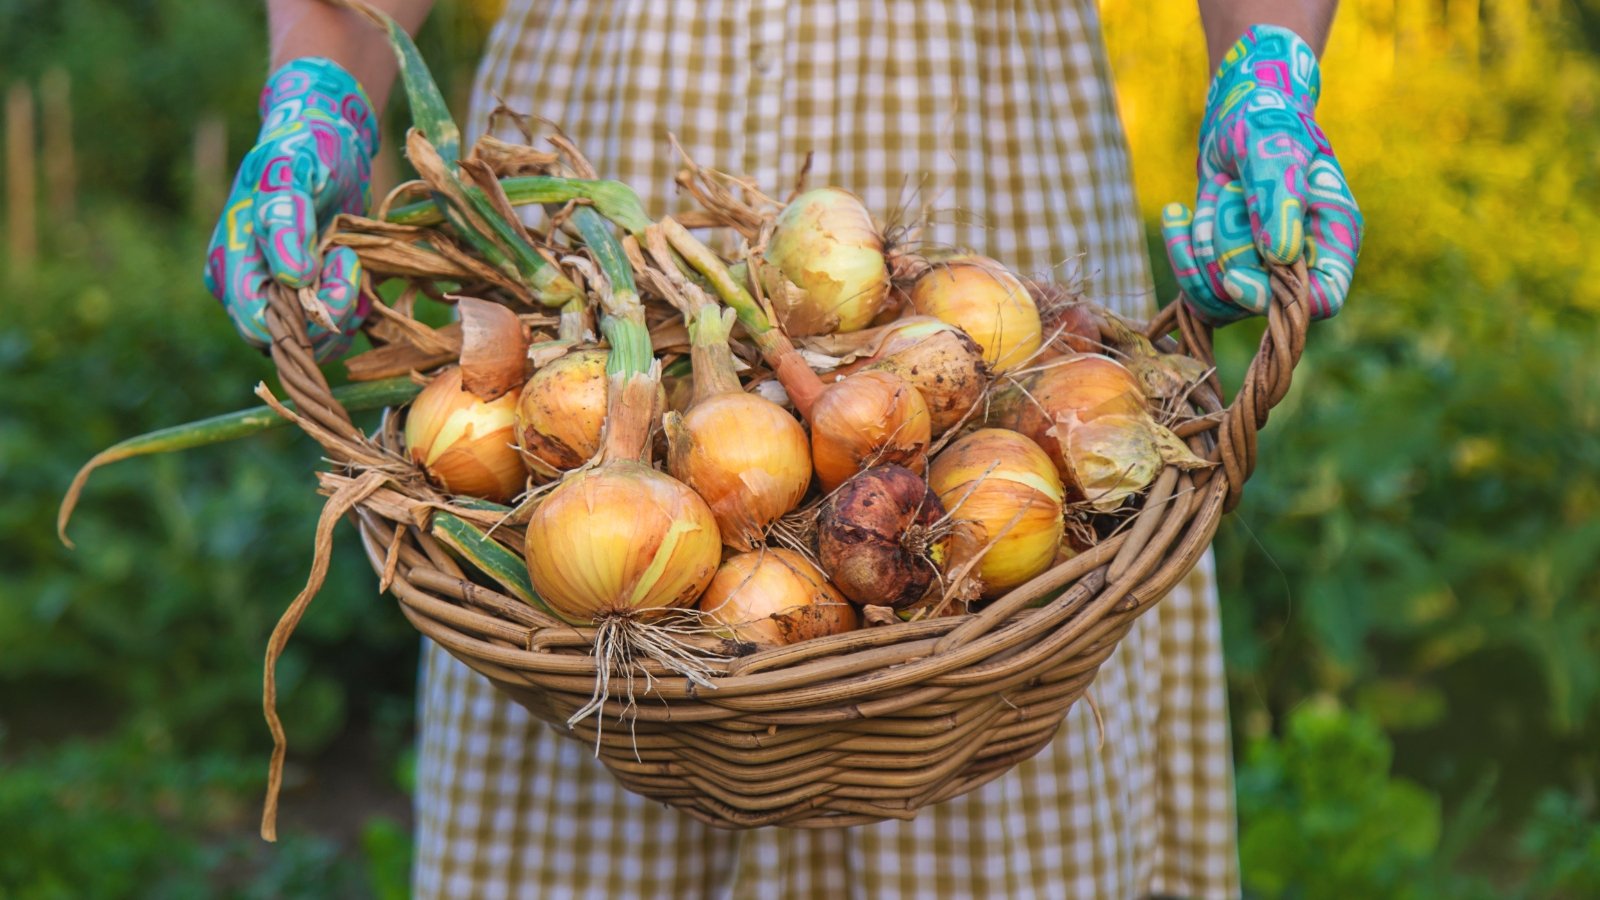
1270,187
312,160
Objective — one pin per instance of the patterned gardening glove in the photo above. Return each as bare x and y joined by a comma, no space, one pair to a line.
1270,187
312,160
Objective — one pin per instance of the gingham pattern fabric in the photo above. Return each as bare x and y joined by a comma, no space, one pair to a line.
1001,117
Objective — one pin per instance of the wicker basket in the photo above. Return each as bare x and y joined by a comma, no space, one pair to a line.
855,728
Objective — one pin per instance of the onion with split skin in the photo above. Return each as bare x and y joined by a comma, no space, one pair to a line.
1090,415
1004,482
879,537
464,444
983,299
772,597
826,244
560,413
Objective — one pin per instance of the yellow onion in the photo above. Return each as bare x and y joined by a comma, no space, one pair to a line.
1005,483
979,296
561,412
619,539
877,537
774,597
1089,414
463,443
746,456
870,418
825,243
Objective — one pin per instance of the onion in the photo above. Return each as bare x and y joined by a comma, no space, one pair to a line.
1004,482
877,537
825,243
561,412
870,418
862,420
1090,415
942,363
463,443
619,539
773,597
979,296
744,454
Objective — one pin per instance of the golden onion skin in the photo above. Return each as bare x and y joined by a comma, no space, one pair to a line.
462,443
947,369
746,456
982,298
825,242
773,597
870,418
561,412
620,539
992,477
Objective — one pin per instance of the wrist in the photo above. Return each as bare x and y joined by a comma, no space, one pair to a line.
1273,57
314,83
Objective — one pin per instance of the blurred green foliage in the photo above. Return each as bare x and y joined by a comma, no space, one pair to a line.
1409,590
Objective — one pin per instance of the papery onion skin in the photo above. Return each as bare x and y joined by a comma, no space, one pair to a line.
874,538
1001,479
561,412
620,539
463,443
746,456
945,366
982,298
1064,394
773,597
825,242
869,418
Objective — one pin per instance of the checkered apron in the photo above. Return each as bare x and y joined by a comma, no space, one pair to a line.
1000,117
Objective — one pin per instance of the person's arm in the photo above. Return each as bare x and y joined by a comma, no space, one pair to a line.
318,28
1225,20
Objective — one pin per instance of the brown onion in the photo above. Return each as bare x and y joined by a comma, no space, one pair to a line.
463,443
774,597
877,539
942,363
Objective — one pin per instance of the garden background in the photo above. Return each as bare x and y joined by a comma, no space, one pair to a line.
1411,590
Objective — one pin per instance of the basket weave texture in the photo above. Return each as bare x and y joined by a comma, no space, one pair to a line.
844,730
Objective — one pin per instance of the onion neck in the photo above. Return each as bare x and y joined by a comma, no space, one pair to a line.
712,358
802,384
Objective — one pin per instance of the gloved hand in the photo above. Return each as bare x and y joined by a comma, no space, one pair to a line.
1270,187
312,160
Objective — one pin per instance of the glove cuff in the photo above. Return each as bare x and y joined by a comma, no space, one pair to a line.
1269,56
316,83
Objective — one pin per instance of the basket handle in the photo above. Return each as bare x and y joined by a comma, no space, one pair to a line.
1267,380
298,371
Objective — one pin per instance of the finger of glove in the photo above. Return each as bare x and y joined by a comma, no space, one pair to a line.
237,275
1243,276
1269,146
1178,231
1334,232
339,289
286,215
